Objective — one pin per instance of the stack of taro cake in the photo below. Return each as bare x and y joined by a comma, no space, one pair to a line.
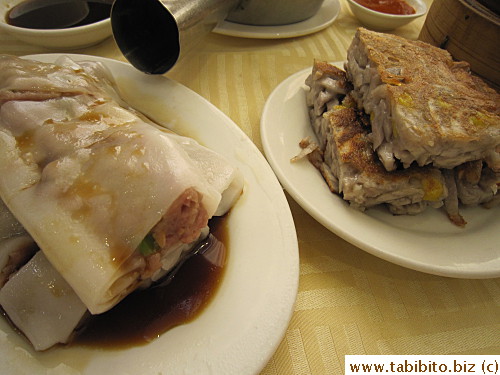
406,126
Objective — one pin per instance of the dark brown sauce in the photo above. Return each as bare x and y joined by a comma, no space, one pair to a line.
57,14
145,315
399,7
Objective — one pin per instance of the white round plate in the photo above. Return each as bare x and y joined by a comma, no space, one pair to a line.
244,323
323,18
428,242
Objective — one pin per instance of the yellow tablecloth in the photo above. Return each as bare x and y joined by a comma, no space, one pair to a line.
349,302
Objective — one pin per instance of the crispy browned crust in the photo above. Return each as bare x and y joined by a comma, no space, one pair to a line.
323,68
442,94
351,134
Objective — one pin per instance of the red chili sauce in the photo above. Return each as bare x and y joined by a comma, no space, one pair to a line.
399,7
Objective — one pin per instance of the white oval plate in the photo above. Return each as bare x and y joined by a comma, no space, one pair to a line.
244,323
427,242
325,16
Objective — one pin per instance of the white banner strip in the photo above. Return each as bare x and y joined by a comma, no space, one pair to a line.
422,364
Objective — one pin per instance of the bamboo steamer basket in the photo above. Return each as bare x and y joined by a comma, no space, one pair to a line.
470,31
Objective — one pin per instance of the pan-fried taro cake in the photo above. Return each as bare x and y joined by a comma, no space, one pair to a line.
345,155
423,106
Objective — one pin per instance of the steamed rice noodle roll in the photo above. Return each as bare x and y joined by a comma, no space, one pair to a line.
111,199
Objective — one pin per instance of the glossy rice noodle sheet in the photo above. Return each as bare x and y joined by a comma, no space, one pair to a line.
112,200
37,299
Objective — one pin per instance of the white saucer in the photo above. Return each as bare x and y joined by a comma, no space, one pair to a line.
324,18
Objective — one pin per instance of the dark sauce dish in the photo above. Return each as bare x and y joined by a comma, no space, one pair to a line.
56,24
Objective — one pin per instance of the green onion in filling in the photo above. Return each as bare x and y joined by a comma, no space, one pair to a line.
148,246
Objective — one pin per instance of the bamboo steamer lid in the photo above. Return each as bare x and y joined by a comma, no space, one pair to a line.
470,31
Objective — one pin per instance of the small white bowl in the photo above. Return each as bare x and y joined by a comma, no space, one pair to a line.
69,38
382,21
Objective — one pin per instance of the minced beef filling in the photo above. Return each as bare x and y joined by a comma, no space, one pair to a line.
183,221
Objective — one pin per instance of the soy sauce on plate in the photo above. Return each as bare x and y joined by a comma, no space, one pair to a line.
58,14
144,315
